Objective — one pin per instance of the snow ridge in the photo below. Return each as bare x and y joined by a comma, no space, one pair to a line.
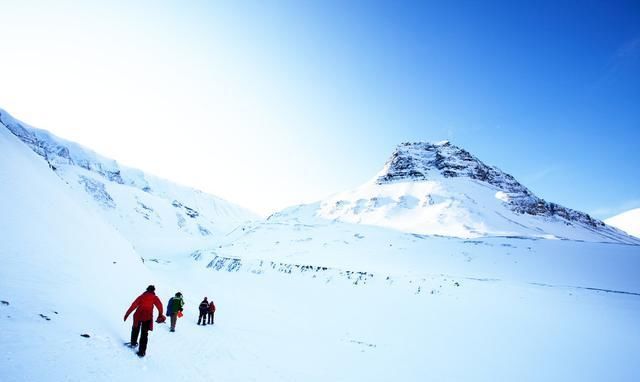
153,213
57,151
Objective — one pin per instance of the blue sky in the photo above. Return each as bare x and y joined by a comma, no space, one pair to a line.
274,103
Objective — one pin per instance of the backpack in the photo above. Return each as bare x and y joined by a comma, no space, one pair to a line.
176,304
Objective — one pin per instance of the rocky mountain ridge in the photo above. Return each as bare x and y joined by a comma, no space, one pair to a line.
418,161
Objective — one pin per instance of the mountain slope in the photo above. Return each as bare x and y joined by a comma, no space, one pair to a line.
628,221
443,190
157,216
64,270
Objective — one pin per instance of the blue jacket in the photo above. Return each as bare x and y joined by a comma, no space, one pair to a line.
170,307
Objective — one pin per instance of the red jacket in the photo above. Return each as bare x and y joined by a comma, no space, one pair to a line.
212,307
144,308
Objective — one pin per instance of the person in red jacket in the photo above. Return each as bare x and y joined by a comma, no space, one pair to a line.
212,310
143,318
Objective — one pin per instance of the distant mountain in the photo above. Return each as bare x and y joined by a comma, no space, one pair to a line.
628,222
156,215
441,189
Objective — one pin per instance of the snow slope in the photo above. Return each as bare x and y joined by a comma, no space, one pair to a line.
64,271
441,189
628,222
157,216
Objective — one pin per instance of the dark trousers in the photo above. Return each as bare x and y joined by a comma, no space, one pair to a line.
203,318
174,319
144,337
210,317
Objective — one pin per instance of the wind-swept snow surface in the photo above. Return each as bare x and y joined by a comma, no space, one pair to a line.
628,222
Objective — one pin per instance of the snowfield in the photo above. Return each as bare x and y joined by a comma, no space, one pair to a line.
628,222
317,292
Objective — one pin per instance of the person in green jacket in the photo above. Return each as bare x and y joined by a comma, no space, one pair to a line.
174,306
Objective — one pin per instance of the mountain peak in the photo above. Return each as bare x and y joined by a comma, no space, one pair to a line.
426,161
417,161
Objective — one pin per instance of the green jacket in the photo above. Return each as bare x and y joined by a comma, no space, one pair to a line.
175,305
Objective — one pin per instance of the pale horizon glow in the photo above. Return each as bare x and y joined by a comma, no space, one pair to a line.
269,106
197,114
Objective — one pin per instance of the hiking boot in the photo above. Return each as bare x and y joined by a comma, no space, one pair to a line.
140,354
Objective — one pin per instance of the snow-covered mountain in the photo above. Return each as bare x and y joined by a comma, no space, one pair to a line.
303,297
156,215
441,189
435,207
418,306
628,222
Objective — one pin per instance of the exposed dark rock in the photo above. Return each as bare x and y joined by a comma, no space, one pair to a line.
98,191
144,210
114,176
227,263
191,212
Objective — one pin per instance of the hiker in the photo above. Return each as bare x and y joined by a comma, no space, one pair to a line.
143,318
204,309
174,307
211,311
